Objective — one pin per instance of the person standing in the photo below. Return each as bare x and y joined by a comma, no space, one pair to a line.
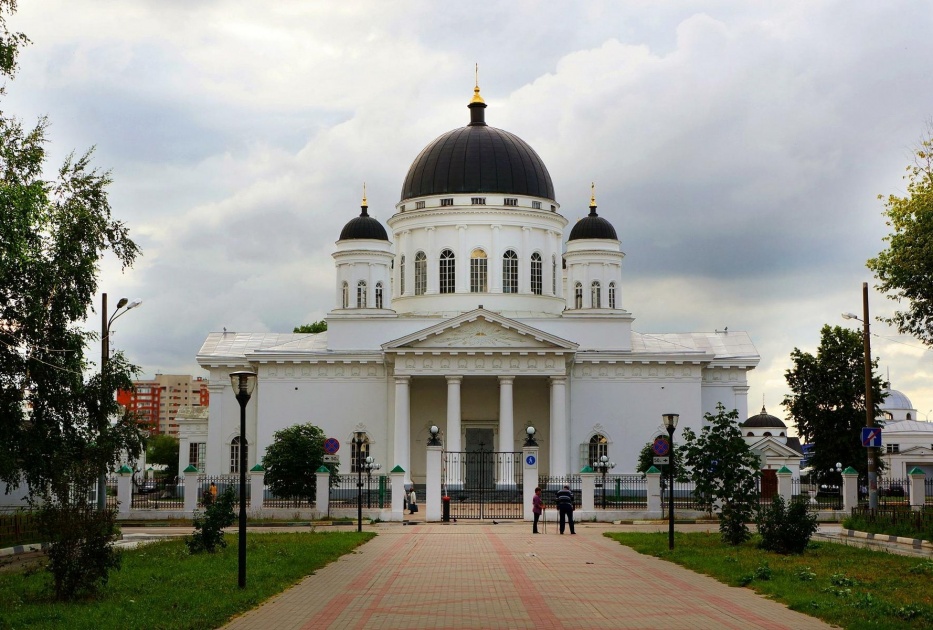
565,507
412,501
536,504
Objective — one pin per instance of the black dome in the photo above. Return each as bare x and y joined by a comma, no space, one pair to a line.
592,226
478,159
364,226
764,420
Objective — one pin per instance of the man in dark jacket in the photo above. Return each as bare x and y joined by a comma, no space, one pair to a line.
565,508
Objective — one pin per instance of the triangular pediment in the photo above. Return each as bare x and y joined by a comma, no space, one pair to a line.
916,450
481,329
771,447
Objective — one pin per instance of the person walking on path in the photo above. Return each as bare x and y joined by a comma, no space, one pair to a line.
536,505
565,508
412,501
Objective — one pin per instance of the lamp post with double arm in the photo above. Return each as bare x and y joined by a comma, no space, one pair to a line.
670,423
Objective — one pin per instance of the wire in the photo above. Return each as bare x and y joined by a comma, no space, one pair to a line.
51,365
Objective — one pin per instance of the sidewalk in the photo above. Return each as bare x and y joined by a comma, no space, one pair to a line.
480,575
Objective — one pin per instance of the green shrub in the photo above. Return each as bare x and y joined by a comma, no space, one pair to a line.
733,519
786,529
80,546
209,525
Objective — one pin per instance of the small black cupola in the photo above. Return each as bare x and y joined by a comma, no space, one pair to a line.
592,225
364,226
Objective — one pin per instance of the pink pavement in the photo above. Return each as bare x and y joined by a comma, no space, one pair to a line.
480,575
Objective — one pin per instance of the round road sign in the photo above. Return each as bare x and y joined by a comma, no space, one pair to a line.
331,445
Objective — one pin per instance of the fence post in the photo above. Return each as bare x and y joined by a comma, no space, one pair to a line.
191,489
322,491
653,478
257,487
918,497
529,478
432,488
587,489
785,479
125,489
397,475
849,489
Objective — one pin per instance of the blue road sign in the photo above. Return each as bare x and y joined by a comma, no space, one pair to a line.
661,446
871,436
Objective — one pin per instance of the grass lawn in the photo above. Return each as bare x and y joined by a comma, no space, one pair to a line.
161,586
846,586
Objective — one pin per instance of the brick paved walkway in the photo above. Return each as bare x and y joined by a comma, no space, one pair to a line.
482,575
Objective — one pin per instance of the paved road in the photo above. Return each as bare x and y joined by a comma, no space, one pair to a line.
480,575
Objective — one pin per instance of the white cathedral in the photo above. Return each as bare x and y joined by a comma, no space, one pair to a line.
476,317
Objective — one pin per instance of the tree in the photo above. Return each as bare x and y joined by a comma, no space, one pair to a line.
59,430
905,269
316,327
827,400
163,449
724,471
292,461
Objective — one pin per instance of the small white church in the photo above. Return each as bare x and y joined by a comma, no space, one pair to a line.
468,310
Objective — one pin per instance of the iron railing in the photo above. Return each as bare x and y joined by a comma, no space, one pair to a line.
162,493
221,482
376,491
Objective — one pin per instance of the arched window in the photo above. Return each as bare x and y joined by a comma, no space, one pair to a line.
612,295
479,282
536,272
421,273
750,434
378,295
599,446
554,274
767,433
448,272
578,295
345,300
358,451
908,416
235,454
401,275
595,296
361,294
510,272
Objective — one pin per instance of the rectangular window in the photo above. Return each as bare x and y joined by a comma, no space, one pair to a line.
197,454
478,201
894,448
447,201
553,208
419,205
536,205
478,277
511,201
401,208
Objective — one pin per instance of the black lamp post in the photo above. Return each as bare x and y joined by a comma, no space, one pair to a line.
670,423
530,437
370,465
126,305
243,382
603,465
358,441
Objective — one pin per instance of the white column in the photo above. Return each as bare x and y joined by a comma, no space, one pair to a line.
587,493
403,425
653,479
587,292
370,288
495,263
125,490
322,492
397,479
257,487
222,403
432,492
506,475
192,490
560,452
453,431
785,484
434,278
524,263
463,262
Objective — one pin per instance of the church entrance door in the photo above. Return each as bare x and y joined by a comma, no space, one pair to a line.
492,481
480,469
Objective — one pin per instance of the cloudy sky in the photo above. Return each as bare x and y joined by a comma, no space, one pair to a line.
737,147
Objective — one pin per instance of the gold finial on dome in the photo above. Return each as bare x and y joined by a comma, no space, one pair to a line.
476,97
592,194
364,195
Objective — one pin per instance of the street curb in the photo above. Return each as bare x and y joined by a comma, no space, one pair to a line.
18,549
916,543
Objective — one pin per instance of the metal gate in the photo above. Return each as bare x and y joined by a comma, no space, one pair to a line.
484,484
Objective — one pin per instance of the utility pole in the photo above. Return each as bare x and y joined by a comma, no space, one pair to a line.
869,403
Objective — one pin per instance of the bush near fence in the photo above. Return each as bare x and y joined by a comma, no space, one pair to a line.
893,521
18,528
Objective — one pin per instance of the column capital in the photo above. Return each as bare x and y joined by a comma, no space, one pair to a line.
454,379
402,379
506,378
558,379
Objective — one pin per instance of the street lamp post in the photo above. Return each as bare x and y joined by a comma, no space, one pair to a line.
243,382
370,465
869,403
358,441
125,305
670,423
603,465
